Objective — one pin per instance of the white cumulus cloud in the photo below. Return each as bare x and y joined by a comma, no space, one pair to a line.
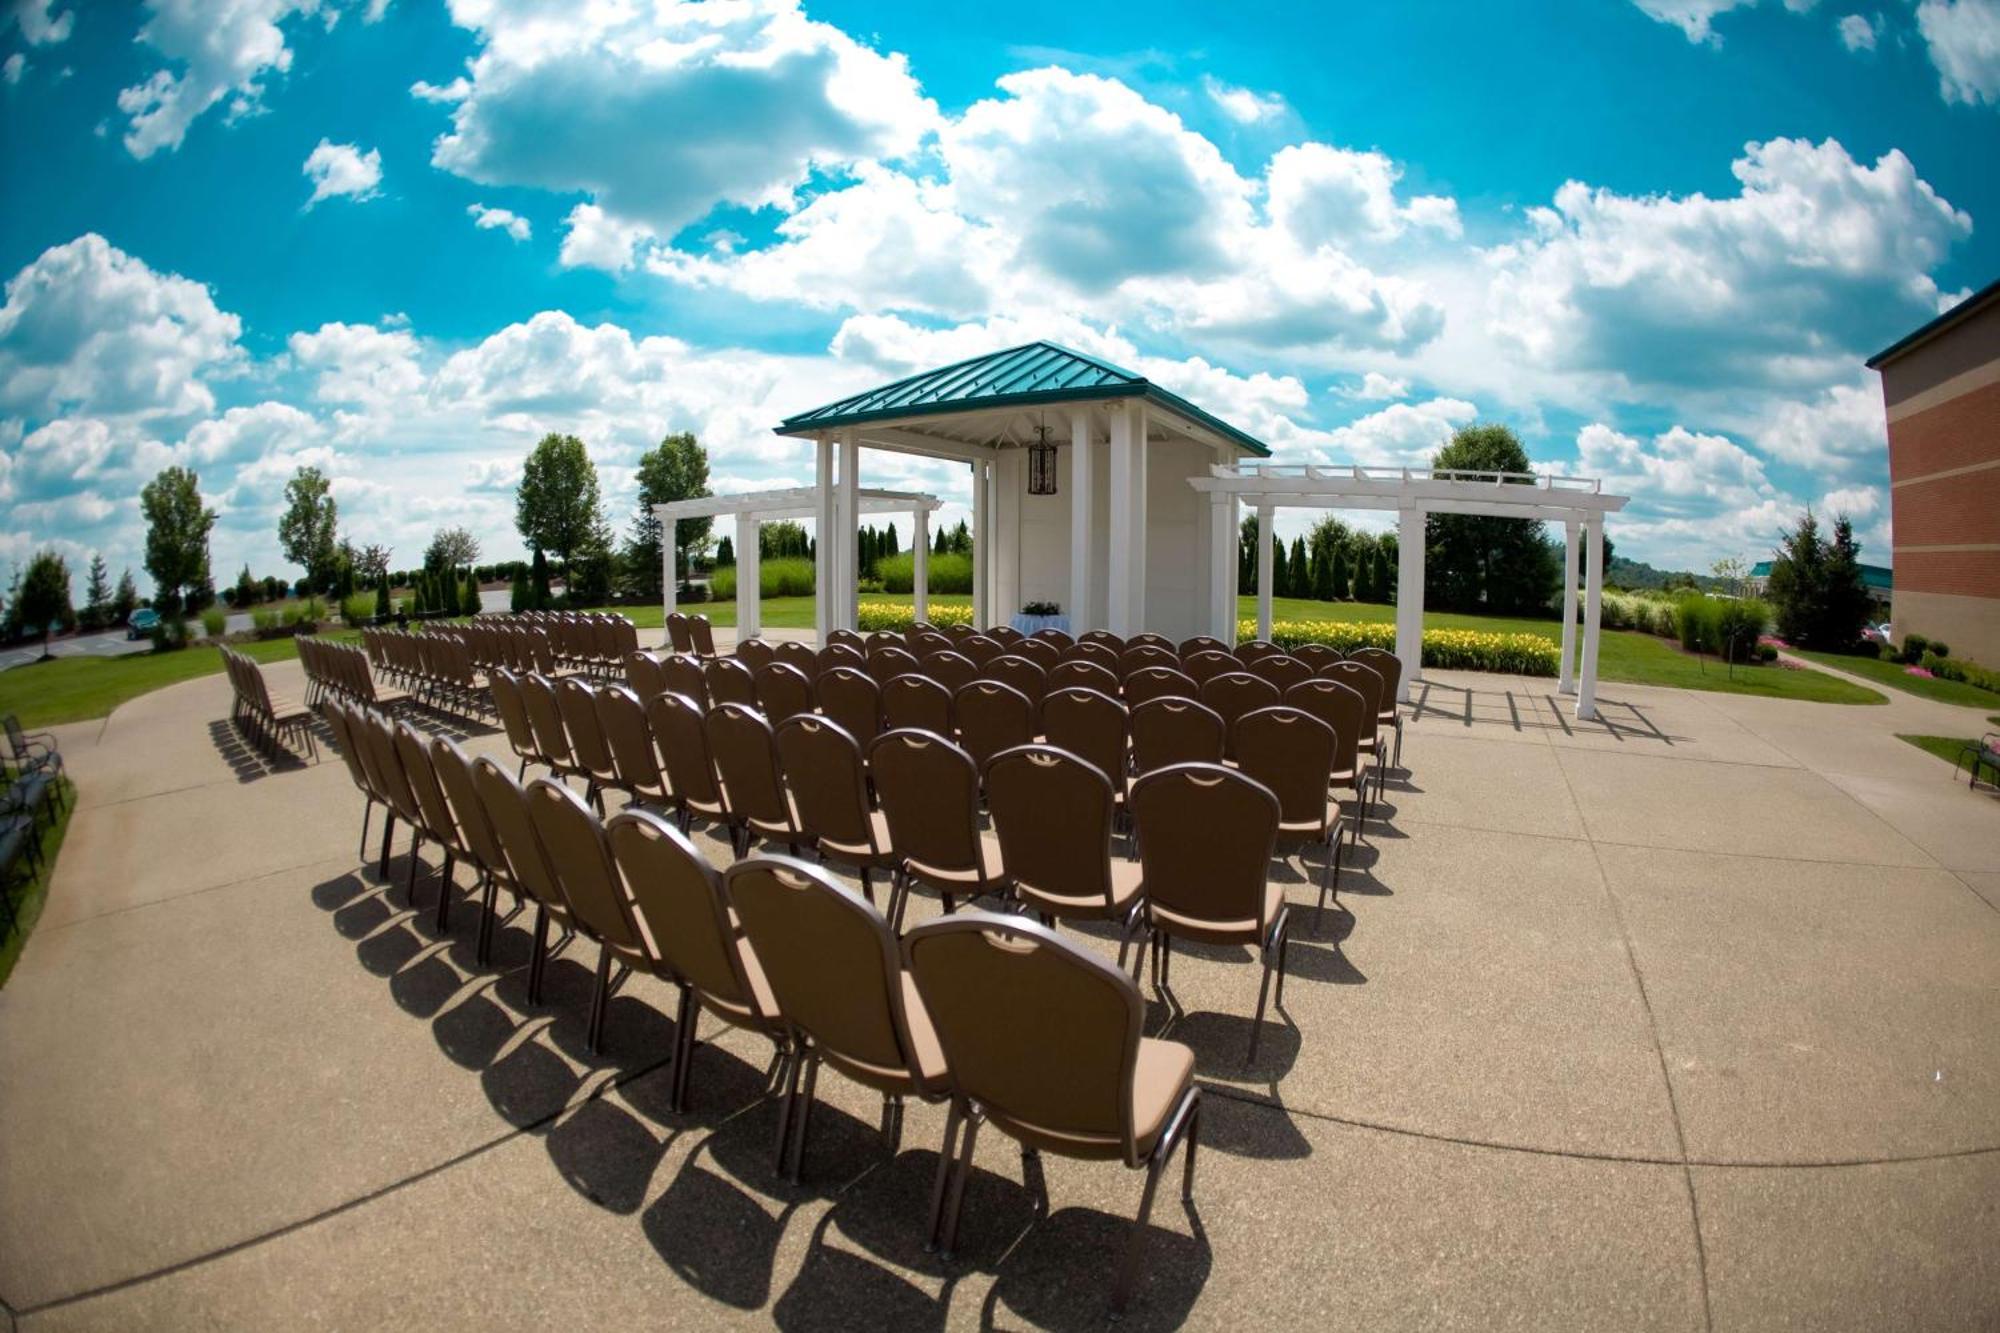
488,219
1858,31
1964,41
341,169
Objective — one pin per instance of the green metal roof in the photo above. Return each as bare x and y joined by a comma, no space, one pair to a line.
1032,375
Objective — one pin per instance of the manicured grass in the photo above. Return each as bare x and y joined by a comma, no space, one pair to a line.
74,689
28,895
1897,676
1948,748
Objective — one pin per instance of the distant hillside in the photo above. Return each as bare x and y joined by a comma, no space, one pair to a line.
1625,573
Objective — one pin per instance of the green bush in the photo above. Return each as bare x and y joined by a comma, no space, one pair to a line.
1738,623
950,572
1767,652
359,609
779,576
214,621
872,616
1914,646
264,620
1941,648
1452,649
171,634
304,611
1696,620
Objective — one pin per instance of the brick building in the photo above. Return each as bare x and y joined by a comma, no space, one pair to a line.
1941,386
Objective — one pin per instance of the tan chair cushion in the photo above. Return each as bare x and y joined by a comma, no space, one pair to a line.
989,853
1126,883
1174,923
1299,828
1159,1078
878,824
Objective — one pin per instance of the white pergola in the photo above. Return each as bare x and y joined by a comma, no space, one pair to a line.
833,608
1578,503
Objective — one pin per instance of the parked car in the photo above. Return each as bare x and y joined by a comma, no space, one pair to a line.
1878,633
141,623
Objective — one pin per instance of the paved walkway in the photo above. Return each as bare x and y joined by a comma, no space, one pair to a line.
1687,1020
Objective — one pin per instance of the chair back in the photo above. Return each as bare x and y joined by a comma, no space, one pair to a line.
992,716
538,694
951,669
1172,730
839,654
675,721
1317,655
1205,664
1157,682
1343,710
850,697
729,682
1235,693
1092,725
1097,654
1200,643
1291,752
678,901
415,753
828,779
506,806
1058,1055
1206,834
833,964
643,674
847,638
1147,655
919,702
678,636
745,753
798,655
1044,653
755,654
1250,650
888,661
634,762
683,675
1023,674
982,648
924,642
1364,680
702,635
587,744
1086,675
1103,638
1281,669
1390,668
1053,814
454,774
1061,639
783,691
580,854
929,792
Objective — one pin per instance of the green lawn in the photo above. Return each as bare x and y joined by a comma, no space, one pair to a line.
1896,676
27,897
72,689
1951,749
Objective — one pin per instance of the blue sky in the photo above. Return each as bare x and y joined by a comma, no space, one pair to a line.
401,240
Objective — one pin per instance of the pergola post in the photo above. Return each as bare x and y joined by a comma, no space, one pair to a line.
1264,569
850,526
1566,674
1222,566
824,546
1122,555
920,562
981,544
1081,465
1140,562
1593,605
749,583
670,530
1410,596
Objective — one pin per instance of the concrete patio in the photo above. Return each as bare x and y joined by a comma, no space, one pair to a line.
1687,1018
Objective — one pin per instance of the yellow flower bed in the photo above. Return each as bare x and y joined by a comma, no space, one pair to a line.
1450,649
898,618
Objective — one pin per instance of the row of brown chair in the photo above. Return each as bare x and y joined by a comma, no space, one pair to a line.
269,719
1000,1017
690,634
341,669
436,667
513,642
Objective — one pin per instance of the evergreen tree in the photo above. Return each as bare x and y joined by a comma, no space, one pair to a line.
1300,567
473,604
674,469
725,552
126,600
1322,575
1280,579
1338,577
1246,556
520,598
97,593
890,542
384,604
538,577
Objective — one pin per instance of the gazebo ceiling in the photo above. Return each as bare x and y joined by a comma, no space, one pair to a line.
998,400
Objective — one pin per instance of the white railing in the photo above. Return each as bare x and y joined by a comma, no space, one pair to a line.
1548,481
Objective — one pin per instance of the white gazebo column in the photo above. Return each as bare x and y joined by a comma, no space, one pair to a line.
749,591
982,541
1222,566
1593,605
1566,674
1140,560
920,562
1124,554
1081,465
824,547
1264,571
850,523
1410,596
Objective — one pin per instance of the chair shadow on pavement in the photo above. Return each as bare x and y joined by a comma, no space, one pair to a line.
250,760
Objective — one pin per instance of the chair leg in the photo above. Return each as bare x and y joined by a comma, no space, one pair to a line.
540,956
802,1114
955,1205
685,1021
444,892
790,1059
1284,954
410,876
594,1037
388,830
1193,1142
1135,1247
484,952
945,1155
892,1123
1263,996
367,813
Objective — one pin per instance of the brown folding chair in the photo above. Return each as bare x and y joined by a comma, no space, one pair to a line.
851,698
1366,681
1103,638
917,702
1342,708
745,752
1292,752
1149,640
682,741
678,636
1143,655
588,748
1316,655
454,774
882,638
836,971
683,676
1232,695
755,654
635,763
528,867
1250,650
1205,664
1172,730
1096,654
982,648
839,654
433,811
1054,812
1046,1040
1042,652
926,642
992,716
1281,669
1206,834
643,674
703,636
680,901
828,778
1093,726
1006,636
1200,643
579,852
1060,639
1389,712
783,691
1024,675
846,638
795,654
889,661
951,669
929,792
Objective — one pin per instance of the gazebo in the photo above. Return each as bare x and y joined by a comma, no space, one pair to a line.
1101,491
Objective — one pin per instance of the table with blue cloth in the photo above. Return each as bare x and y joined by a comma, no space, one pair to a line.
1028,624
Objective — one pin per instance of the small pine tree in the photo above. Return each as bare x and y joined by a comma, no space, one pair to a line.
725,553
384,604
1300,567
98,592
889,540
1322,576
1281,579
520,597
126,600
1339,578
473,604
538,577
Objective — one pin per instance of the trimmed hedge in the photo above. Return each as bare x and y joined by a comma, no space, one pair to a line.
872,616
1447,649
950,572
777,576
